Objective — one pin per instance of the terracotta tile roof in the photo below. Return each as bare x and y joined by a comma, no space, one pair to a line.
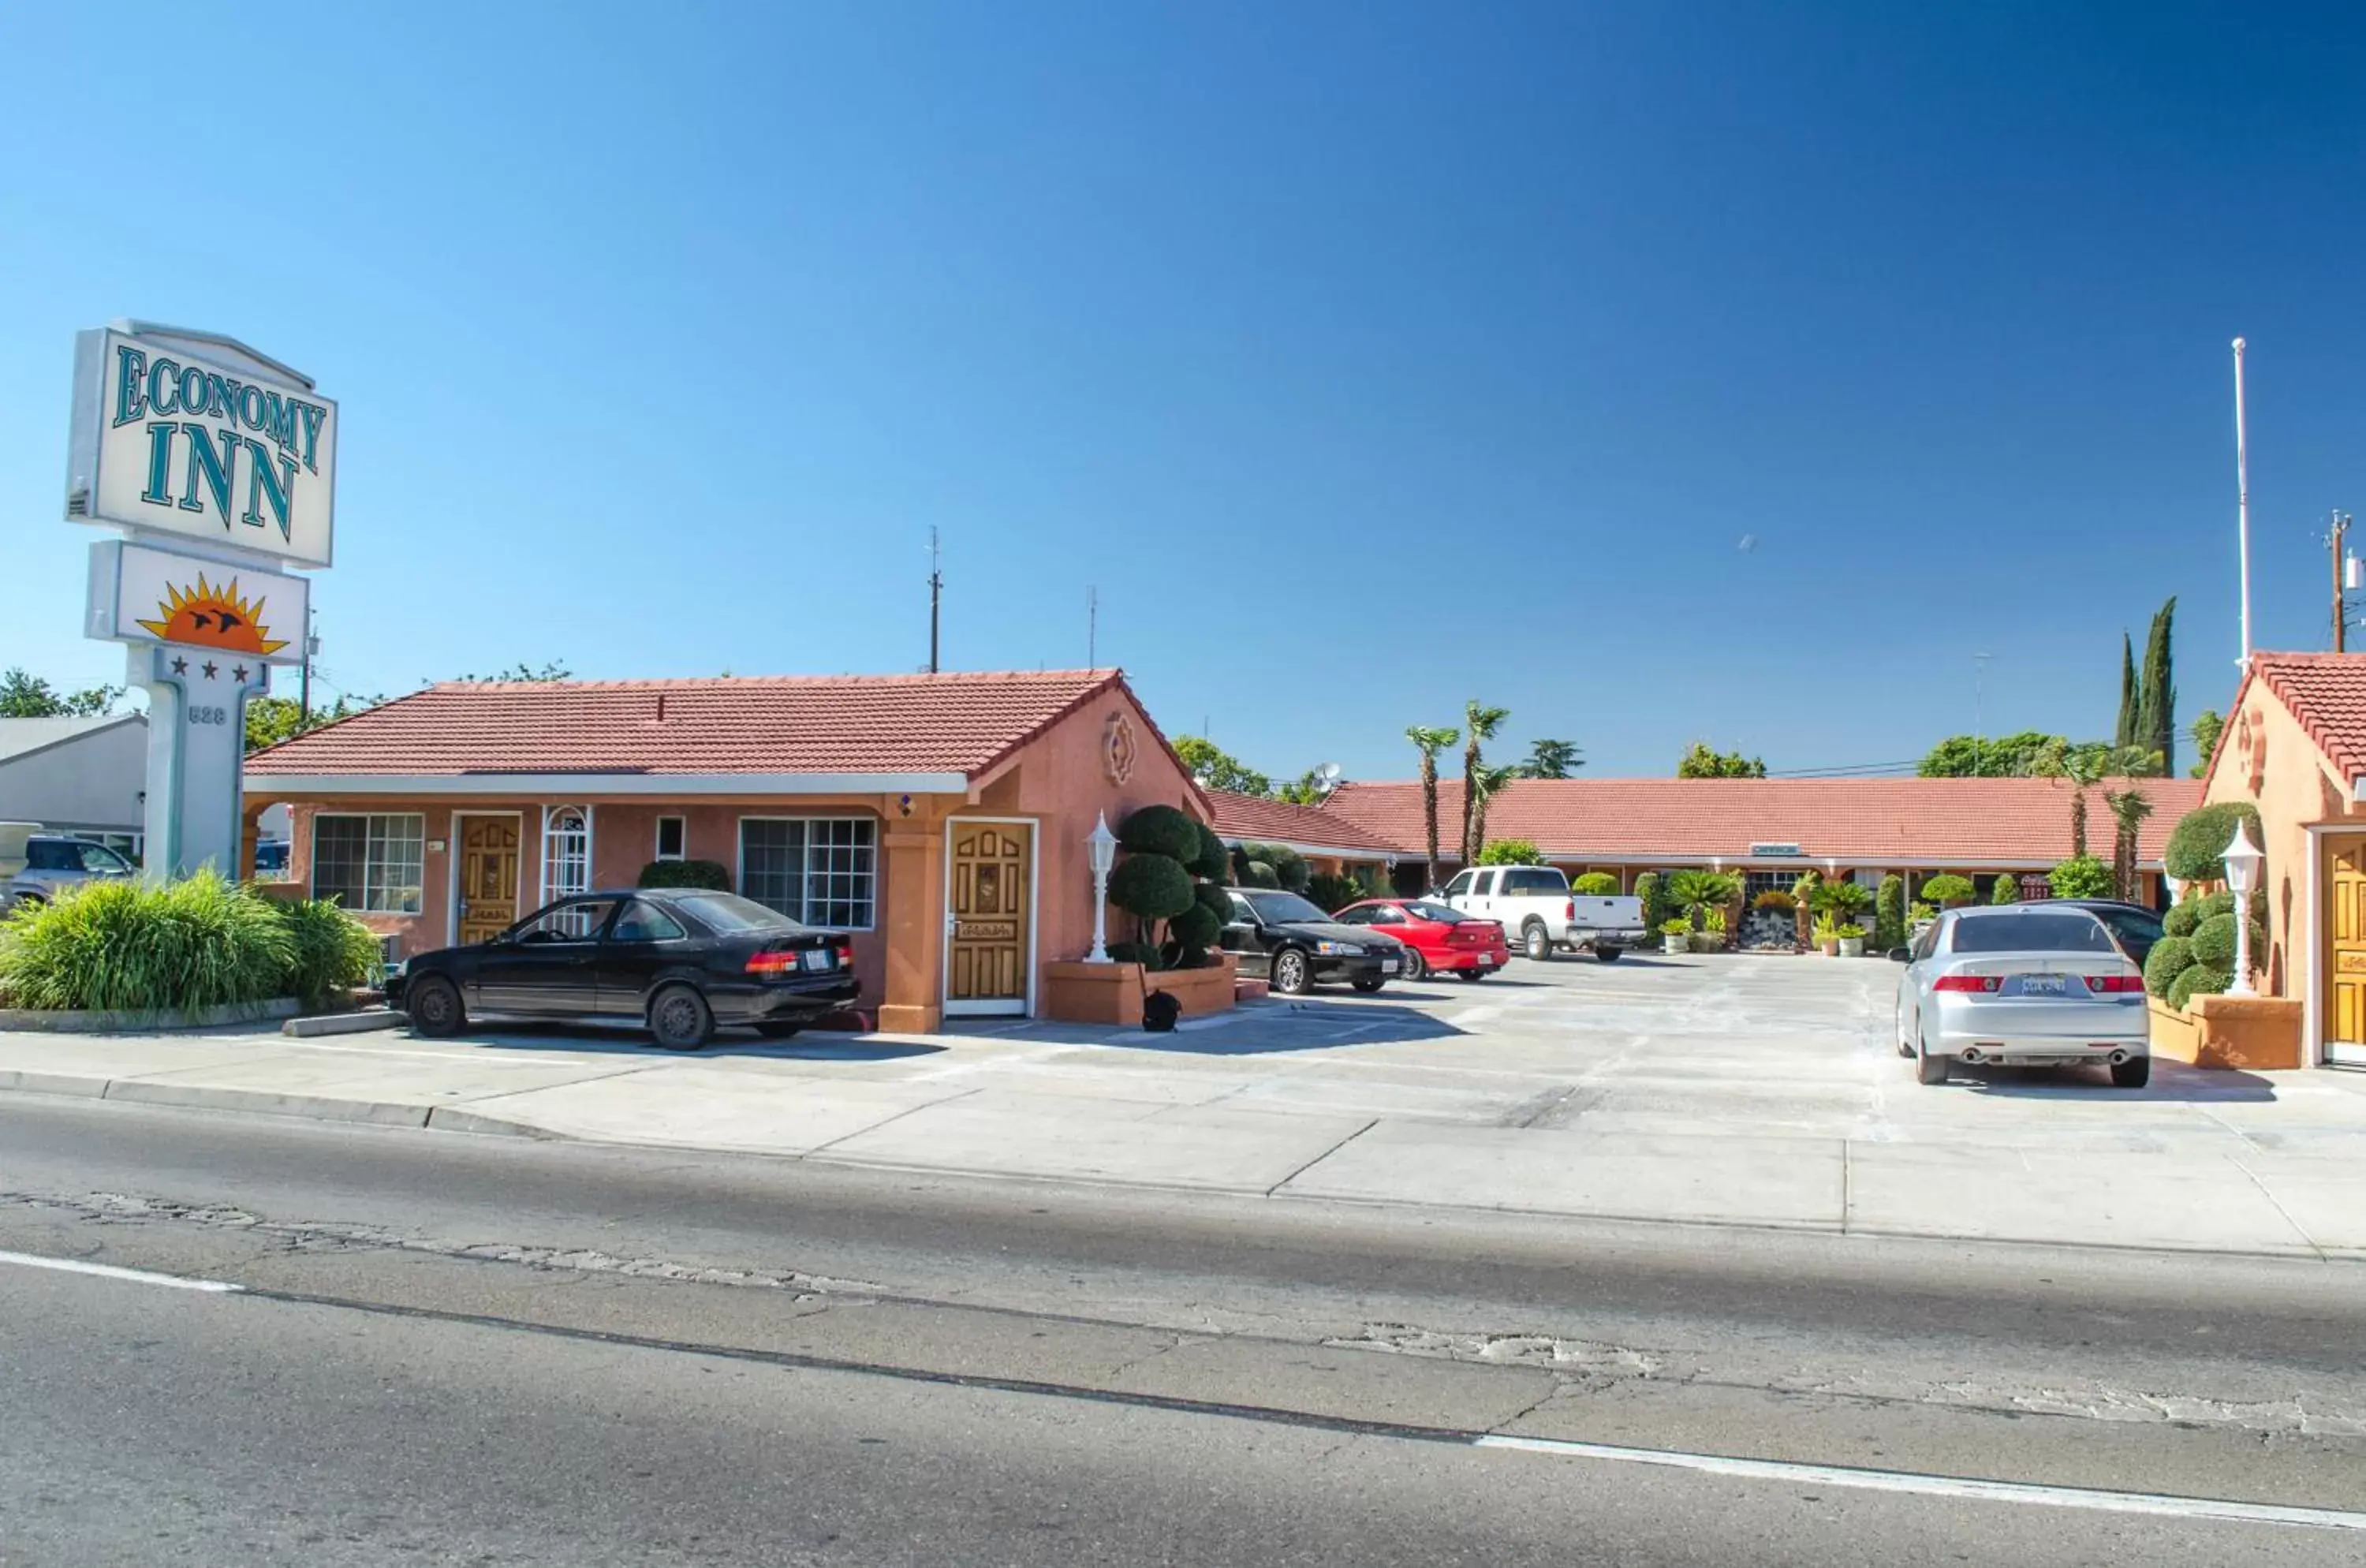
1935,822
824,724
2326,693
1256,820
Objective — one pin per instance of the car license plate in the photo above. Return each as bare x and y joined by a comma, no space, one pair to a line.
2044,985
818,958
1388,966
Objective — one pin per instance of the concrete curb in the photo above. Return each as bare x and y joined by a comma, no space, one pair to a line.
362,1023
127,1021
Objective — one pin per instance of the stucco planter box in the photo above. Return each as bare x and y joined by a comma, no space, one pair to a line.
1078,992
125,1021
2259,1033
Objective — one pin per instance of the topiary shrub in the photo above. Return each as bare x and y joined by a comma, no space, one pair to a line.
1213,862
2080,877
1289,866
1151,886
1947,890
1595,885
1334,893
1160,830
1510,851
2199,980
686,874
2182,918
2006,891
2198,844
2169,957
2213,943
1215,900
1889,913
1195,927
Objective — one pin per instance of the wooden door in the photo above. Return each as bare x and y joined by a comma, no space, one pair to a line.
985,968
2344,941
488,876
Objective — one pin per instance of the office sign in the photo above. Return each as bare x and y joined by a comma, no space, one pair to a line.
196,436
139,594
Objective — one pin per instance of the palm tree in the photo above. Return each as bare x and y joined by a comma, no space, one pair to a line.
1482,788
2129,809
1482,723
1430,743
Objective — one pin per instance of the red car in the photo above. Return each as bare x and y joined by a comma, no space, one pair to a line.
1436,938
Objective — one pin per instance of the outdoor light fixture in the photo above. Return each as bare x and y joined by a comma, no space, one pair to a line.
2243,858
1103,845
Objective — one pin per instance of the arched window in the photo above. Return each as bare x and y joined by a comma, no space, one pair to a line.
566,852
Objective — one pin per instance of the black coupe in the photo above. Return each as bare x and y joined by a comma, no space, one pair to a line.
1293,943
681,961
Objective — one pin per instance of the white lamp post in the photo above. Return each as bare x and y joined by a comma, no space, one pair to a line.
1103,845
2243,858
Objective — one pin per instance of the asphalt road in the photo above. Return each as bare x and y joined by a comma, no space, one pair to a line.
454,1349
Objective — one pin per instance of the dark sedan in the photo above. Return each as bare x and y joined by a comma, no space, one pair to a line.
680,962
2133,926
1294,944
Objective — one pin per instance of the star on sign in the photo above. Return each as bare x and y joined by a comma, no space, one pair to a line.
180,666
210,669
237,673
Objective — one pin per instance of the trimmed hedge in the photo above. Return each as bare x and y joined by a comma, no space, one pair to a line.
1161,830
1260,874
1195,926
1889,913
1655,903
704,874
2198,842
2213,943
2169,957
2183,918
1213,900
1213,862
1151,886
1947,889
1595,885
2006,891
1335,893
2201,980
2080,877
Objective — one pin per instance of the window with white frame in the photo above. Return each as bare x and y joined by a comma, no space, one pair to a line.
821,871
566,852
672,835
373,865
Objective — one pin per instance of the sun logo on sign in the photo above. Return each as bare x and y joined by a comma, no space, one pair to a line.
213,617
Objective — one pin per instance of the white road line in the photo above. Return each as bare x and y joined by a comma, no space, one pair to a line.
1946,1485
108,1271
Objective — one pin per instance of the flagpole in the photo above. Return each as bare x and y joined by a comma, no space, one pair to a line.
2243,504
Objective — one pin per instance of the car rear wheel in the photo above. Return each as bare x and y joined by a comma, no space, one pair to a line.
680,1019
2134,1073
1931,1069
433,1004
1292,976
1415,966
1897,1031
1535,941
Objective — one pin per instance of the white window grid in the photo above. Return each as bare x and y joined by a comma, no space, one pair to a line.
566,852
821,871
382,873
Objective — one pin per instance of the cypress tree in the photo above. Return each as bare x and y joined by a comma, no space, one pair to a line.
2125,735
2157,693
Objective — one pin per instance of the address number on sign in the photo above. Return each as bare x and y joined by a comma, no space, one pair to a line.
209,716
984,931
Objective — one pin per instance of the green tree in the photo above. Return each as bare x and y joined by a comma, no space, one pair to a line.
1651,890
2124,734
1947,889
550,670
1481,724
2206,726
1510,851
1696,892
2155,726
1212,767
1481,792
1973,757
2129,808
270,720
1429,741
29,696
2080,877
1700,763
1551,760
1889,913
2007,889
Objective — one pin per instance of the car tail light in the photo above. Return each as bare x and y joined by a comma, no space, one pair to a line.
2100,984
1569,910
1976,984
844,953
774,962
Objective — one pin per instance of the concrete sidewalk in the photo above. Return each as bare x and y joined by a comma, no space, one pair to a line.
1361,1129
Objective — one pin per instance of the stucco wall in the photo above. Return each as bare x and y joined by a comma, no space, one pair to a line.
2268,760
92,783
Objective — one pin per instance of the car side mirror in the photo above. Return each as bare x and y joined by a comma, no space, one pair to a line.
1901,955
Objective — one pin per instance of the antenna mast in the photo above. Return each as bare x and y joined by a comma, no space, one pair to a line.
1092,627
936,596
2243,503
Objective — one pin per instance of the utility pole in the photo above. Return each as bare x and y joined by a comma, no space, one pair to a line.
304,686
2243,504
936,596
1979,695
2340,608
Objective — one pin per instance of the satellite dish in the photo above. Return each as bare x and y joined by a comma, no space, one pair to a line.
1328,772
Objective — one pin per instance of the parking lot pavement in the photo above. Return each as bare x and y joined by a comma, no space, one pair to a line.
1720,1089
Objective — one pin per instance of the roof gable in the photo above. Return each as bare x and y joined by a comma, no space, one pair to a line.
1253,818
2326,694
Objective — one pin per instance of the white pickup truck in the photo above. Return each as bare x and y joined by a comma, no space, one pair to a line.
1539,914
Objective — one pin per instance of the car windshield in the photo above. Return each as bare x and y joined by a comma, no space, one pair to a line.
2036,931
1428,912
729,912
1276,908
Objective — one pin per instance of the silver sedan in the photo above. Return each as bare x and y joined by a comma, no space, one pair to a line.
2024,987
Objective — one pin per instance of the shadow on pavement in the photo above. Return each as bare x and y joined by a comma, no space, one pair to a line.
1261,1029
2171,1081
728,1041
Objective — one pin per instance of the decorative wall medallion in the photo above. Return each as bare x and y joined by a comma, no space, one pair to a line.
2251,747
1119,749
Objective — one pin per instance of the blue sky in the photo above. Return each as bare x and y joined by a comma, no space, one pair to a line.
1368,358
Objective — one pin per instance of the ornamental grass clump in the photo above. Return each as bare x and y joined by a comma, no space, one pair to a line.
185,946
